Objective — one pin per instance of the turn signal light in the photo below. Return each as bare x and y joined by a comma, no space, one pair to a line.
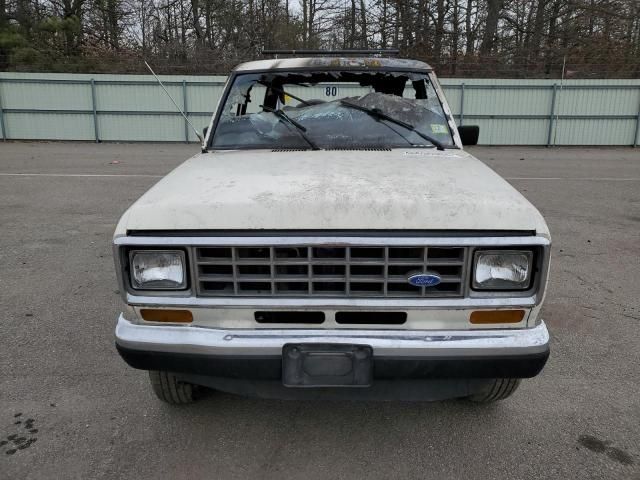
496,316
170,316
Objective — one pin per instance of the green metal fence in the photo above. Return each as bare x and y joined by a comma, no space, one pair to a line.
134,108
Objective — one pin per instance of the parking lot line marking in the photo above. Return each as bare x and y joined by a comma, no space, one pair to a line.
146,175
80,175
589,179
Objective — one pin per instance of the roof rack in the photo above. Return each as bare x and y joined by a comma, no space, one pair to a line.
360,52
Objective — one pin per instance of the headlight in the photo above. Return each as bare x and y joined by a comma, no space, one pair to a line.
502,270
158,270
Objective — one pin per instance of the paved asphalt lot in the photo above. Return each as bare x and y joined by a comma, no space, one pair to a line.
62,382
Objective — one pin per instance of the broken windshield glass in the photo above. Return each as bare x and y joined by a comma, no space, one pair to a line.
252,113
379,114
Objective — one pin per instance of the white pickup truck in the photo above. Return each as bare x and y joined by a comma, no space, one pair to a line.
333,240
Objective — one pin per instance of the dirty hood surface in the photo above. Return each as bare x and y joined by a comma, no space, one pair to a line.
415,189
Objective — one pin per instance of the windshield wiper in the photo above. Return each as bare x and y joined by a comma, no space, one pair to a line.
301,129
379,114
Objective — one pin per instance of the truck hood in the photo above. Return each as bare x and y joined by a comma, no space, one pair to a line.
414,189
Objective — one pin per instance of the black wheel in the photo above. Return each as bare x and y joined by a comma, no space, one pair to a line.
169,389
497,389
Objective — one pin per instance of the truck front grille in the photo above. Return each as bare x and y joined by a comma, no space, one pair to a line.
327,271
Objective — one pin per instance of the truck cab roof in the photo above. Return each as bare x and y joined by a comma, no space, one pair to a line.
334,63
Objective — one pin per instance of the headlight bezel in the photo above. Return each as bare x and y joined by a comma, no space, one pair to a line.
132,284
526,286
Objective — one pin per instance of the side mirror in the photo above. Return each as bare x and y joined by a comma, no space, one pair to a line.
469,134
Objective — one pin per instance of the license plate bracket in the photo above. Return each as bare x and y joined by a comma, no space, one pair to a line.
306,365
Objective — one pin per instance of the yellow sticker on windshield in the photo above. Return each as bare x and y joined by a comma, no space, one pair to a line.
438,128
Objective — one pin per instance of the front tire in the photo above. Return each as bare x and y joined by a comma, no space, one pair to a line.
495,390
169,389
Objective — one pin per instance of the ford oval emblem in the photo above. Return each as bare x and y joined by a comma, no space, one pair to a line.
424,279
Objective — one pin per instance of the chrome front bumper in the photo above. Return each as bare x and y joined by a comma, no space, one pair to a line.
385,343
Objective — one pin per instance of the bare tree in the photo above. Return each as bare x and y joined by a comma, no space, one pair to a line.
460,37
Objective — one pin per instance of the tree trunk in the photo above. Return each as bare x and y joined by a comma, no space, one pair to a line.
72,11
551,38
455,38
494,8
312,15
439,32
113,9
143,27
305,33
286,13
538,30
197,27
3,13
383,25
363,25
469,33
352,24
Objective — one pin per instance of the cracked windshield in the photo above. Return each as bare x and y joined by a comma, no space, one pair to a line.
332,110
